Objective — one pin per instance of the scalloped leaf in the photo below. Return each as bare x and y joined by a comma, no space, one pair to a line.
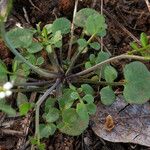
20,38
87,89
82,15
110,73
34,47
61,24
95,45
52,115
88,98
82,111
137,86
46,130
75,128
107,95
95,25
69,115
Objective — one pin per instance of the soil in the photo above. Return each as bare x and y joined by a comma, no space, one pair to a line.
126,19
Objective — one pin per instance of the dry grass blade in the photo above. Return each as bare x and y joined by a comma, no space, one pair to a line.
148,4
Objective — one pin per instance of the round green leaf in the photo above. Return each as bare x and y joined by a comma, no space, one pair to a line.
95,25
69,115
110,73
92,58
88,65
24,108
73,129
87,89
107,95
82,111
34,47
48,27
95,45
20,38
102,56
39,61
56,37
88,98
74,95
46,130
52,115
50,102
66,100
82,15
137,86
61,24
82,42
91,108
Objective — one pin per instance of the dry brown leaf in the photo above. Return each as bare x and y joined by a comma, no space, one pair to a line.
131,122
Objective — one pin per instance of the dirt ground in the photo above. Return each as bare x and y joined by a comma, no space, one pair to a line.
126,19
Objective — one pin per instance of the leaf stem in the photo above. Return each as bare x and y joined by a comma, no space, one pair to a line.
75,57
16,53
38,104
89,81
97,66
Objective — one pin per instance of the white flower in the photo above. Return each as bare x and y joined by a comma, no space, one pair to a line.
2,95
8,93
7,86
5,90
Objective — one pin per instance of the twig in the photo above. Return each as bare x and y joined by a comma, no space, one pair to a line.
26,15
11,132
35,6
148,4
72,30
97,66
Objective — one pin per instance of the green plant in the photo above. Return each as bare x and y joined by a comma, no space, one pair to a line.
69,108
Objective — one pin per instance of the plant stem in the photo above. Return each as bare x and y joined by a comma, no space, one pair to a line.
38,104
72,30
36,69
38,89
75,57
38,83
89,81
54,61
97,66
